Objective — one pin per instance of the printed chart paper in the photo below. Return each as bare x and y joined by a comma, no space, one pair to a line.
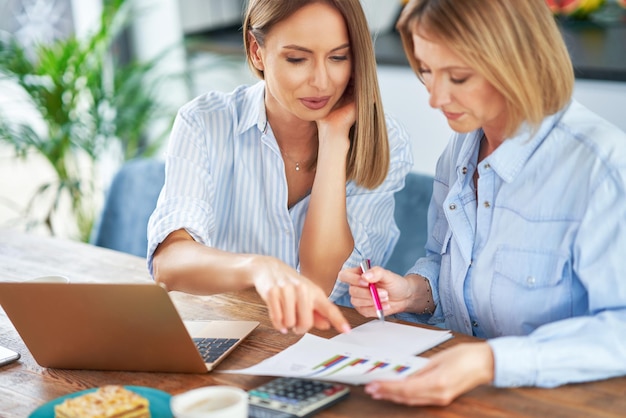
395,339
325,359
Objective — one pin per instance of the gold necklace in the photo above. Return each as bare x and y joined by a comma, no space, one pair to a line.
297,163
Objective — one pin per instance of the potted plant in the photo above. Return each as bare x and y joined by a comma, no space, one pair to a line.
91,104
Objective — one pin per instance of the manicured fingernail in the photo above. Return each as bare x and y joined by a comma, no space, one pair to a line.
368,275
346,329
283,330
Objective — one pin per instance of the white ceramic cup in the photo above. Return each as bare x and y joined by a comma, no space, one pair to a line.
50,279
211,402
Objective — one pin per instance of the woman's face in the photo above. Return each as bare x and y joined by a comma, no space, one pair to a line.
465,97
306,61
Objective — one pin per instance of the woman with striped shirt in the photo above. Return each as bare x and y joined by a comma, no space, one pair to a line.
281,184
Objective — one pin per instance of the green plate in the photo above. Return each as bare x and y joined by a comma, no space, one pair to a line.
159,402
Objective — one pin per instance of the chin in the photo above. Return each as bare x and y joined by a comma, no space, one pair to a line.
462,128
311,115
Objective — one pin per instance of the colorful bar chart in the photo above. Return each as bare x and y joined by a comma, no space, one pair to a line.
323,359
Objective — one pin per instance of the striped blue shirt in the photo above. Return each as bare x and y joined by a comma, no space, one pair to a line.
225,184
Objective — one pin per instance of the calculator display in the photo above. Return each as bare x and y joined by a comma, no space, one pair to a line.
288,397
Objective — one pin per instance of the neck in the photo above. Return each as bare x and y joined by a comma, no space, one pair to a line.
490,141
299,148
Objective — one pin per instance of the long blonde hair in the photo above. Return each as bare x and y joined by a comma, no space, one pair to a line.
368,157
515,44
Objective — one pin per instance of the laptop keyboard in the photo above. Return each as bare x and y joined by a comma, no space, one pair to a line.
212,348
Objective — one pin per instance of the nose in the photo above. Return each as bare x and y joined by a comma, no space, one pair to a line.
439,93
319,76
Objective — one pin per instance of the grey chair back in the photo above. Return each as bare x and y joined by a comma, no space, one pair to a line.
130,201
411,213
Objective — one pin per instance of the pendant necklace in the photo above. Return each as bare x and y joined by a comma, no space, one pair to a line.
297,163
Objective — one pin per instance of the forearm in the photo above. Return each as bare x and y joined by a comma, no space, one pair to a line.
327,240
181,263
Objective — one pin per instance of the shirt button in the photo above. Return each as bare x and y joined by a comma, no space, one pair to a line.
487,166
487,204
464,171
475,324
452,206
530,280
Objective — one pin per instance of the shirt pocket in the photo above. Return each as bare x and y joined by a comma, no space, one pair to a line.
530,288
530,269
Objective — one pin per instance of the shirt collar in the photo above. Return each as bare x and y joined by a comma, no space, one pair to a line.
513,154
254,109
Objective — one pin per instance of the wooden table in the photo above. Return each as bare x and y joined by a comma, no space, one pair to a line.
24,385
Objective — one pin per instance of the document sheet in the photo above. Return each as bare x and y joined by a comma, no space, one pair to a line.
373,351
394,338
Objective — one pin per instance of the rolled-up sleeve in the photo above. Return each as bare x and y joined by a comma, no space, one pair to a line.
184,201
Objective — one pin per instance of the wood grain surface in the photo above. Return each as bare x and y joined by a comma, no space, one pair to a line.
24,385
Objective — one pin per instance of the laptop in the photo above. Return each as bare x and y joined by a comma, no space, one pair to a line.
115,326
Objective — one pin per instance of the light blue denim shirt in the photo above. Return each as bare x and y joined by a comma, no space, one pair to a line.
225,184
536,263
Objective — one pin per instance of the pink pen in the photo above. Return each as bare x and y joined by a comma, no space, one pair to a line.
365,265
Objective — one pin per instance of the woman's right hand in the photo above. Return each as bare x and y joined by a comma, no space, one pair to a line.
393,290
410,293
293,301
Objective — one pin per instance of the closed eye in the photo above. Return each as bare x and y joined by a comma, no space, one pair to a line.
423,75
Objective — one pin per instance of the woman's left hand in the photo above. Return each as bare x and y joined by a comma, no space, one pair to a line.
338,122
445,377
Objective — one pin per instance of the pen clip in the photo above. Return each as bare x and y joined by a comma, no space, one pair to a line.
365,265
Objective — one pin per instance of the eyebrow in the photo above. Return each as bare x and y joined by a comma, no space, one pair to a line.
303,49
450,68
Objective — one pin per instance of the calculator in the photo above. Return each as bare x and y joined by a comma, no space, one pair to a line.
291,397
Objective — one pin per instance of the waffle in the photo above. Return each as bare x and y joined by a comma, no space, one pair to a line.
110,401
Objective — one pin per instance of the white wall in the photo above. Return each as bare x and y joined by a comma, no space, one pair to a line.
405,98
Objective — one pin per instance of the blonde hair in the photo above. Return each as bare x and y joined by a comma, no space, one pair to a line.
368,157
515,44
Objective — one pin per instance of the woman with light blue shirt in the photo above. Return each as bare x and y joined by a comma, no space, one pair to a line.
279,185
527,223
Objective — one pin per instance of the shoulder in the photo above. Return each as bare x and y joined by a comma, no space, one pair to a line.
399,140
582,123
216,105
579,127
396,131
587,149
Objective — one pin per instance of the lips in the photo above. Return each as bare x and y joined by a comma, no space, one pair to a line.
452,115
315,103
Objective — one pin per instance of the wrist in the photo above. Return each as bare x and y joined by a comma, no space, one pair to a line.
248,269
486,373
419,296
